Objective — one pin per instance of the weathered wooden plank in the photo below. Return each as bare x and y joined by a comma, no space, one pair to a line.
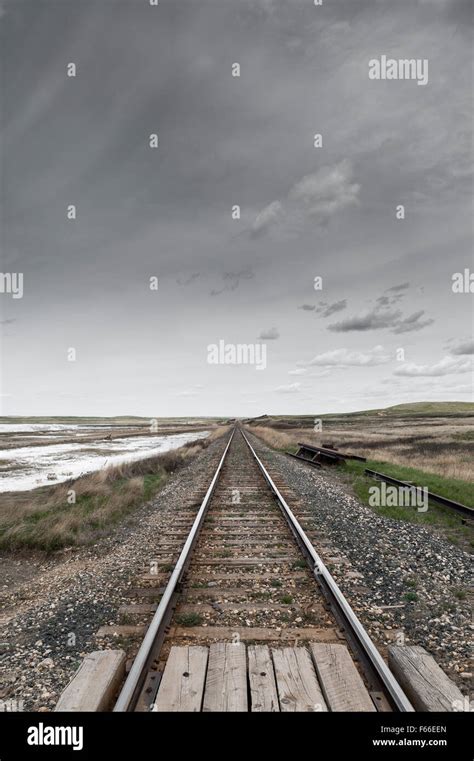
182,685
424,682
140,609
298,688
121,630
252,633
226,681
247,607
341,683
257,561
95,683
245,576
263,691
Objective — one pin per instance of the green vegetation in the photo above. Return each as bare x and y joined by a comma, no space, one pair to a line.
189,619
464,436
286,599
460,491
299,564
438,516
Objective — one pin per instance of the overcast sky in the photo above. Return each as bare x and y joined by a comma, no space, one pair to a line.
306,211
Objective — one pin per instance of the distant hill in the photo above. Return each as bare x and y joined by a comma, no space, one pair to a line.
413,409
423,408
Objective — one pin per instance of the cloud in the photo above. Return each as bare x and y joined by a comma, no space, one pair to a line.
317,196
193,391
395,294
373,320
291,388
327,311
348,358
307,307
381,317
327,191
463,347
269,335
446,366
188,280
413,322
8,321
232,281
397,288
299,371
266,218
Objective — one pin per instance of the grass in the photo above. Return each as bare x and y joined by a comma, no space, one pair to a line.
299,564
189,619
286,599
437,516
81,511
436,438
438,450
452,488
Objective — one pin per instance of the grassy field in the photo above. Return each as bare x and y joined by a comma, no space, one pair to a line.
430,445
46,519
436,438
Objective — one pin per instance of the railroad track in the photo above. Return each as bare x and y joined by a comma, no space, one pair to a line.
251,619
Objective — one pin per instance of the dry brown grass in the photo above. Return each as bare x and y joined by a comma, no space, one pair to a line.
46,519
439,446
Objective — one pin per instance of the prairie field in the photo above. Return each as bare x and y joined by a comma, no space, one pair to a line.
437,439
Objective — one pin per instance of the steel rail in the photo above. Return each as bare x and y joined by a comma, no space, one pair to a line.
451,503
137,674
320,571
